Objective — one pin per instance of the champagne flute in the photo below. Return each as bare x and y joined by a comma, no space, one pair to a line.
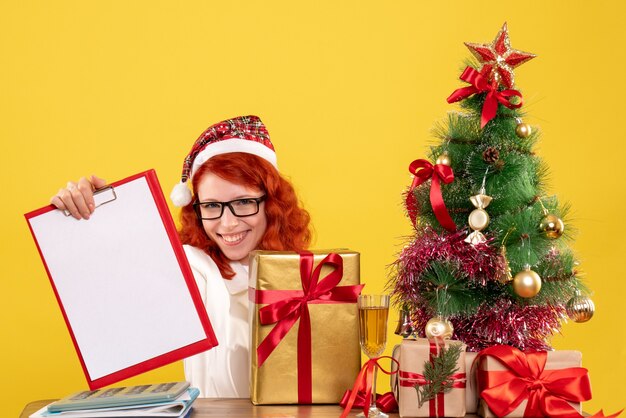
373,313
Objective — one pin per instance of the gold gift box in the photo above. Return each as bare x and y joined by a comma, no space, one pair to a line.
335,350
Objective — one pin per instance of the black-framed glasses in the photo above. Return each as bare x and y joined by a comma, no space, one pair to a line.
238,207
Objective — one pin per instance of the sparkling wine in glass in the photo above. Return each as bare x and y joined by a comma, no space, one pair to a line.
373,313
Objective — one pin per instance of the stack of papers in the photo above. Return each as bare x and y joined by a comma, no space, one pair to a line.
179,407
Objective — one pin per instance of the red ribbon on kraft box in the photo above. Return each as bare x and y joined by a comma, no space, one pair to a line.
436,406
548,392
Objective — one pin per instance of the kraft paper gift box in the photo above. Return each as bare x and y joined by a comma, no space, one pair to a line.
413,355
471,389
303,353
565,361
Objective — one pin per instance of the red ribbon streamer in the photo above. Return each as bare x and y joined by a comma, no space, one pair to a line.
363,385
547,391
424,170
385,402
480,84
287,306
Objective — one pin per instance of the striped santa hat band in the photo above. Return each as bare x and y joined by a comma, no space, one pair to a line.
241,134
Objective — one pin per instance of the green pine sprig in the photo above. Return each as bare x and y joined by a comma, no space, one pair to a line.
438,373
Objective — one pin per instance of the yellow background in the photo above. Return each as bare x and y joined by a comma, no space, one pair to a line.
349,91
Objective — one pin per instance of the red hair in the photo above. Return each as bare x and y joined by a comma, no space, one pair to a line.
287,222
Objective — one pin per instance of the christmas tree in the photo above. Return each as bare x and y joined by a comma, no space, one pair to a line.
490,260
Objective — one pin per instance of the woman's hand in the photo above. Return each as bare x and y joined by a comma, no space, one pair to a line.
77,198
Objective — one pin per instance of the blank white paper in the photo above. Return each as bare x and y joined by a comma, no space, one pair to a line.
119,281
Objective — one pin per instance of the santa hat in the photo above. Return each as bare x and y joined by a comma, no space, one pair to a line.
241,134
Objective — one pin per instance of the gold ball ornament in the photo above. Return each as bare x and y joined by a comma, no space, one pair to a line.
444,159
552,226
523,130
439,327
527,283
580,308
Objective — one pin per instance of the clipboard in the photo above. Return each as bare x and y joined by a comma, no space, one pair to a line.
123,282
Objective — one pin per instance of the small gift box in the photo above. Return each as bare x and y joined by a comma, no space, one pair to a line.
417,393
512,383
471,389
304,326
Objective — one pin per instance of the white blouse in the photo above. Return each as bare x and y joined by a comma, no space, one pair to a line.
223,371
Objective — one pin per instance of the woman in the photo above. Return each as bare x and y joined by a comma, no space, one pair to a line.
239,202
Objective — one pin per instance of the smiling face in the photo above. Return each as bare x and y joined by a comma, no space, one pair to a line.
235,236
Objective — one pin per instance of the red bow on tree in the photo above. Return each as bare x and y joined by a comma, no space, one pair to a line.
424,170
480,84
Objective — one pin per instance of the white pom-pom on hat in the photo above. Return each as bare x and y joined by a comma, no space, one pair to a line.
181,195
241,134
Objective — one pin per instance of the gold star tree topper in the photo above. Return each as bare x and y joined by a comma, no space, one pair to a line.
498,58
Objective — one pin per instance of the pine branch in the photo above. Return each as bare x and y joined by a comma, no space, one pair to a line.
438,373
460,128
